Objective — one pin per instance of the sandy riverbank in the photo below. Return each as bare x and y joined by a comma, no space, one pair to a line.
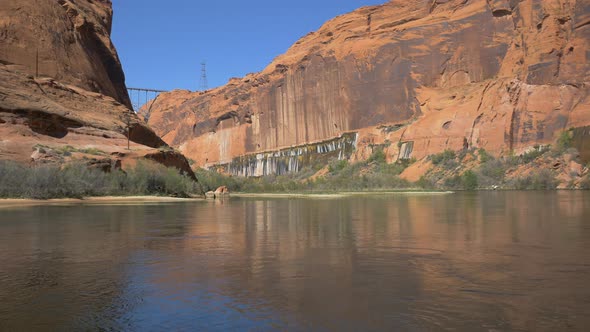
130,200
337,194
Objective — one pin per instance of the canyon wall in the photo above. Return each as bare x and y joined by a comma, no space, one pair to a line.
62,89
63,39
415,77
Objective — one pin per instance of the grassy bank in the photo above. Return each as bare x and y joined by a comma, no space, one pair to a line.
9,203
77,180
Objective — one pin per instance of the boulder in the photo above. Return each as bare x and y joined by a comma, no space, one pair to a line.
223,190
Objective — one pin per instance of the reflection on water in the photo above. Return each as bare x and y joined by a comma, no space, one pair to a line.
494,261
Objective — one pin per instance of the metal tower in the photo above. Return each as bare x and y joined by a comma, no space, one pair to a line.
204,84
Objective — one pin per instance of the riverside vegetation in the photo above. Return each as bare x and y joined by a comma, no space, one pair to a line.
464,170
371,174
471,169
77,180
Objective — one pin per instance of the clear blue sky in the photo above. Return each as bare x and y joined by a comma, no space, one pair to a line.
162,43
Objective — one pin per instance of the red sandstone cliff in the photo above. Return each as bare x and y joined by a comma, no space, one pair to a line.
79,96
499,74
70,39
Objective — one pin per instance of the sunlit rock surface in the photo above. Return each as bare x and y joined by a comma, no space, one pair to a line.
502,75
62,87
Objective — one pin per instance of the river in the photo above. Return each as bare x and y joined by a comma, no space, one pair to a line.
487,261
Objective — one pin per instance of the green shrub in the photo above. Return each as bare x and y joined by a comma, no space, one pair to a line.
466,181
378,156
67,150
491,173
565,141
453,182
522,183
211,180
337,166
424,183
494,169
543,179
469,180
77,180
92,151
531,155
445,156
511,160
484,157
392,169
464,152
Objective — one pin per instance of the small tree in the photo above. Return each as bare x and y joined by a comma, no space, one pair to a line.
469,180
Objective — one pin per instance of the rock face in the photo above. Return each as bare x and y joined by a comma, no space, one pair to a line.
63,39
416,77
77,106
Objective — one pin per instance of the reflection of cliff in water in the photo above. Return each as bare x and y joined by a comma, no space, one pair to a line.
398,262
414,257
65,267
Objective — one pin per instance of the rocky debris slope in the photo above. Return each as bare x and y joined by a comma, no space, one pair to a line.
416,77
77,107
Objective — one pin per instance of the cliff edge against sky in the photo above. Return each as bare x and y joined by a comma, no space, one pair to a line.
62,88
416,77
